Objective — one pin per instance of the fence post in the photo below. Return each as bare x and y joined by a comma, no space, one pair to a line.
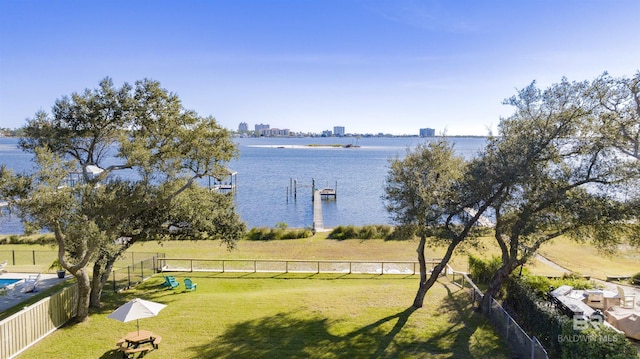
33,256
114,280
128,276
13,255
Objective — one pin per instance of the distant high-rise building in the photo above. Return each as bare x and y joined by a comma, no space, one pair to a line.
261,127
274,132
243,127
427,132
338,130
327,133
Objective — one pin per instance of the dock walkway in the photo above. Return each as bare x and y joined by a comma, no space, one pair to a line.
318,226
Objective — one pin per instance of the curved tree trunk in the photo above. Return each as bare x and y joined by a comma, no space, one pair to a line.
101,275
99,280
427,283
494,287
84,290
422,289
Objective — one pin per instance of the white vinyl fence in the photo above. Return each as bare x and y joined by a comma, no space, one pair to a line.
25,328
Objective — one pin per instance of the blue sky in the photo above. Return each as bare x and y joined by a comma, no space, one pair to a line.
371,66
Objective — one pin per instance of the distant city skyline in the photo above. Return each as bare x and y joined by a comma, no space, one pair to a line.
371,66
266,129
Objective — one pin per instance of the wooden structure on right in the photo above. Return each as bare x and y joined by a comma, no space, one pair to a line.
325,193
222,186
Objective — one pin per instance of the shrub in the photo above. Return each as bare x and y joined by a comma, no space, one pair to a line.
574,280
297,233
523,303
526,301
20,239
365,232
481,270
595,343
635,279
269,234
403,233
343,232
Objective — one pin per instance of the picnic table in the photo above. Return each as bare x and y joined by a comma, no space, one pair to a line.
138,342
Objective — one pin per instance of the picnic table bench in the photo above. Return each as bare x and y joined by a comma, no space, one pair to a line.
129,353
130,348
156,342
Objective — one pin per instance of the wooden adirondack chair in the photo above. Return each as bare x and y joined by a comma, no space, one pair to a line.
626,300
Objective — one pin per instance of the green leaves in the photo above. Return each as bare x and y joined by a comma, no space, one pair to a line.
147,130
419,187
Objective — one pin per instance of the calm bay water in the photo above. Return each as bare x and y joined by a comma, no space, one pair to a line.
267,167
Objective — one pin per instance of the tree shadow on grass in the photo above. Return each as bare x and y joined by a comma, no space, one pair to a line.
452,334
284,335
112,354
468,335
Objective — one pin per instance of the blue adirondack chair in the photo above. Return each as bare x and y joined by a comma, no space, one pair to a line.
170,282
168,279
173,283
189,285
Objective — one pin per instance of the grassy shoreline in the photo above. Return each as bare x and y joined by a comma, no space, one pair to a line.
577,257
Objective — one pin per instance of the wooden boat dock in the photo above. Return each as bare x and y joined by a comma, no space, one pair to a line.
318,226
327,193
318,196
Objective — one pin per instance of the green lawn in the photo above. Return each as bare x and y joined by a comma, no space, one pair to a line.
309,316
585,259
289,316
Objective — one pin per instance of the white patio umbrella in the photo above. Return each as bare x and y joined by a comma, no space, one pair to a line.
136,309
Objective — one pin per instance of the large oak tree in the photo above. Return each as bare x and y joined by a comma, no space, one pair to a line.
556,167
139,156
